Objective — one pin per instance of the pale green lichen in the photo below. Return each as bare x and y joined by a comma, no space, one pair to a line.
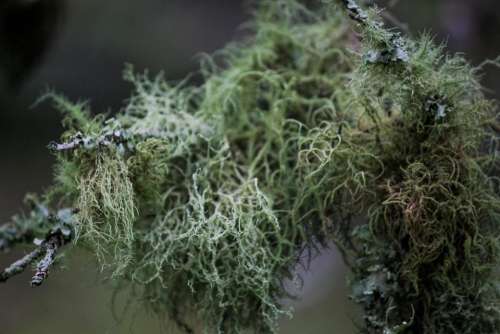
204,190
202,199
107,210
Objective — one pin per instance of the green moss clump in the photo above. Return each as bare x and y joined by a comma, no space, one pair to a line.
203,198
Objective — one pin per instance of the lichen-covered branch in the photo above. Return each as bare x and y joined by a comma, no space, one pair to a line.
50,246
356,13
23,230
205,197
60,232
78,140
20,265
387,46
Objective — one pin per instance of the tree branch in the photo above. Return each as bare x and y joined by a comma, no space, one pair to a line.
390,47
60,234
50,246
20,265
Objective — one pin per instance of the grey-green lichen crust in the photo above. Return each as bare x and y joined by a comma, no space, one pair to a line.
318,128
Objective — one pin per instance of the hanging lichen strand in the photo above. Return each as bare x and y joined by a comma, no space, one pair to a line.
204,198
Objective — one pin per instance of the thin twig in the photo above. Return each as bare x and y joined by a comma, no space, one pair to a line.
393,49
48,249
116,137
355,12
20,265
60,234
42,270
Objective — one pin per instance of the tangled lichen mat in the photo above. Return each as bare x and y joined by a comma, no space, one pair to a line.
324,126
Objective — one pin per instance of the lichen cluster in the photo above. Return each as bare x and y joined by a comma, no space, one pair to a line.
320,127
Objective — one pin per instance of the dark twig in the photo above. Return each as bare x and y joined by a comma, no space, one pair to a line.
21,264
355,12
392,48
117,137
51,246
60,234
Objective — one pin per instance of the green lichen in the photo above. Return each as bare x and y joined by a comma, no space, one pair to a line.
106,208
201,200
430,245
318,128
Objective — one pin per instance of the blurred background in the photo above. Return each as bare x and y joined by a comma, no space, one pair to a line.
79,48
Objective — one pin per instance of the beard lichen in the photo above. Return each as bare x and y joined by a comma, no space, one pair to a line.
106,209
204,198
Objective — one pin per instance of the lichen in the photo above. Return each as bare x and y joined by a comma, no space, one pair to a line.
317,128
